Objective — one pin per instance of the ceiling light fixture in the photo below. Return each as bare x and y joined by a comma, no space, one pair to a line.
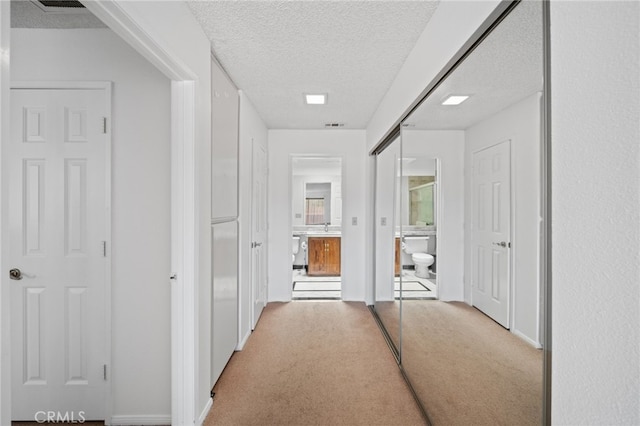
315,98
455,99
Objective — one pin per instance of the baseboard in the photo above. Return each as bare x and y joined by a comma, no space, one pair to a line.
143,419
205,412
243,342
530,341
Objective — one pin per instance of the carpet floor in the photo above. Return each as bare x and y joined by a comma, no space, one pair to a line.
314,363
467,369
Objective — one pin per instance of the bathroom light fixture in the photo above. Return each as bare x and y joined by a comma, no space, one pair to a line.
315,98
455,99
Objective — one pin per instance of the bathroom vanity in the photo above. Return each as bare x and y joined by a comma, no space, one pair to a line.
324,256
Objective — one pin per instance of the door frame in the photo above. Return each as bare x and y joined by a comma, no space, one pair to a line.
512,221
253,319
313,154
184,240
5,291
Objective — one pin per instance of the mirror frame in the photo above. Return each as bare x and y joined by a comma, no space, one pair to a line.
495,18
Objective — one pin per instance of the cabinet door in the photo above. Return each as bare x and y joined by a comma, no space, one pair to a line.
316,256
332,256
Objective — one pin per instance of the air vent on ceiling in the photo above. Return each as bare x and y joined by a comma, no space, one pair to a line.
60,3
332,125
60,6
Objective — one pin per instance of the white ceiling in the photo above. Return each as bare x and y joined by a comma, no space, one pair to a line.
277,50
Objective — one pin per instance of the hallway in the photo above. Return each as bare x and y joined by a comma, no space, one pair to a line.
314,363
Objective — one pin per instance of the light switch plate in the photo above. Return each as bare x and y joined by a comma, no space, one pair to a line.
354,221
383,221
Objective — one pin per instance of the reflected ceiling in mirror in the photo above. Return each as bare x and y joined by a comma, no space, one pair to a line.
505,68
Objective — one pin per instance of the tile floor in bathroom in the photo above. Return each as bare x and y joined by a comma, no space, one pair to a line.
328,288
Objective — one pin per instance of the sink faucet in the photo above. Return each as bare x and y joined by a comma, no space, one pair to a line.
326,227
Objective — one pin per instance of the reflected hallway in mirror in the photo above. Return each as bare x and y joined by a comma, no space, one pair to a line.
472,354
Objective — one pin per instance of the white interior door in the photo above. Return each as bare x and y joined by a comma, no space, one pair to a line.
57,164
259,233
491,231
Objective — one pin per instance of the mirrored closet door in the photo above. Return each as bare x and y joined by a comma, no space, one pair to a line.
459,222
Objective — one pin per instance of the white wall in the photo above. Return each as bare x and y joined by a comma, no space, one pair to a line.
252,131
448,29
180,48
519,123
140,250
348,144
595,123
448,147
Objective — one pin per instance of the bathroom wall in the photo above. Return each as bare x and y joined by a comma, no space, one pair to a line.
298,193
519,123
350,146
448,147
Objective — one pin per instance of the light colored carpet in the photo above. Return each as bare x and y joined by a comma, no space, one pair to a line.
314,363
467,369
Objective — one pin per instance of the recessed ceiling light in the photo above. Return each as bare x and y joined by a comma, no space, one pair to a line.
315,98
455,99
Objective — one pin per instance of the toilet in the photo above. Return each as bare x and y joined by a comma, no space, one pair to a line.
295,245
417,247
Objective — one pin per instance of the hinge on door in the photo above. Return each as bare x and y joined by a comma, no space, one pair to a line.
104,125
104,371
104,249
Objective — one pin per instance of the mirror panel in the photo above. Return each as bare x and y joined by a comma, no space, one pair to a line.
470,344
387,241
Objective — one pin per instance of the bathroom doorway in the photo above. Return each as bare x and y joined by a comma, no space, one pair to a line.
417,240
316,227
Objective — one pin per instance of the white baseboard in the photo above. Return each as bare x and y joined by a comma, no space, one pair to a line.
530,341
243,342
205,412
149,419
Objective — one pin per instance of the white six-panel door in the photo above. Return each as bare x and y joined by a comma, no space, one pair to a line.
57,228
491,231
259,232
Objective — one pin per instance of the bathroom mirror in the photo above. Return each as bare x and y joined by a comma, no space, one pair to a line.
317,203
316,192
473,353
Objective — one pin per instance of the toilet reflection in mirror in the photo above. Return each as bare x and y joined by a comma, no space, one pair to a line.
418,228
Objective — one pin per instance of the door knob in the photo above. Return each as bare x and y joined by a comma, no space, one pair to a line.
15,274
502,244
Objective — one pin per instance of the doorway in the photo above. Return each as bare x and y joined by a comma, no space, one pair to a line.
316,232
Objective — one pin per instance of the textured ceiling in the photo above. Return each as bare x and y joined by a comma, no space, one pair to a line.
277,50
25,14
504,69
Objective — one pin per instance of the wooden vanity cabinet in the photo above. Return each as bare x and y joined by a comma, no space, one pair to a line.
324,256
398,257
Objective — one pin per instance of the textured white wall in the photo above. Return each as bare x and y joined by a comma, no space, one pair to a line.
448,147
141,367
595,72
348,144
519,123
